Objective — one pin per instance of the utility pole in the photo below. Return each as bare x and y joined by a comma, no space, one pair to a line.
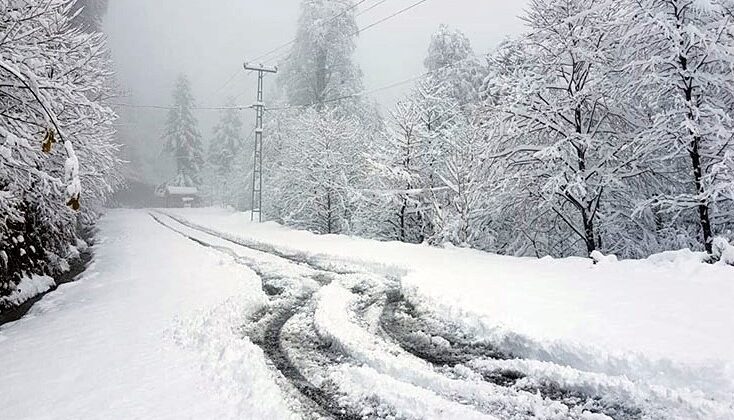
257,169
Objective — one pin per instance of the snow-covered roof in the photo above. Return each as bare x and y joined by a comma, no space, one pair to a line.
182,190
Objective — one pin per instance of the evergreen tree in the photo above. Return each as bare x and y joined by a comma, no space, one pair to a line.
224,159
182,138
320,65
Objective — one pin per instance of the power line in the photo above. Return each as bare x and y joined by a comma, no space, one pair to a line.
239,71
353,95
229,80
363,93
371,91
399,12
291,42
168,108
370,8
365,28
326,101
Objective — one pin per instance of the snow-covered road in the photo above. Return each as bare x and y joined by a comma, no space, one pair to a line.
149,332
203,323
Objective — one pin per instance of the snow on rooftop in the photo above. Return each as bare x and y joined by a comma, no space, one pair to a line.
182,190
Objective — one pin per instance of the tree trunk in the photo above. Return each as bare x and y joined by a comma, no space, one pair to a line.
695,152
589,232
703,207
403,210
329,225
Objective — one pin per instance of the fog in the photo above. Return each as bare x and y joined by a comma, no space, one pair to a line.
153,41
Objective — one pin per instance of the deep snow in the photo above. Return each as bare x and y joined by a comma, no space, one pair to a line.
154,329
664,321
149,332
28,288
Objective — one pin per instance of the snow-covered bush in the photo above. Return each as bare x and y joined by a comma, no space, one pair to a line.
723,251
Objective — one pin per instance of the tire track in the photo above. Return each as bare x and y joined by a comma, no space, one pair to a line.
323,402
440,345
443,347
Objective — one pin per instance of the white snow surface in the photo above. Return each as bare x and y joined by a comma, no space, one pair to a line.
152,329
662,321
28,288
148,332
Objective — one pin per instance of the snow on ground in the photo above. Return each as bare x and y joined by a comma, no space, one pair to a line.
149,331
28,288
332,322
666,320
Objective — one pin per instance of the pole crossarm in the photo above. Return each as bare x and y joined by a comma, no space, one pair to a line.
260,67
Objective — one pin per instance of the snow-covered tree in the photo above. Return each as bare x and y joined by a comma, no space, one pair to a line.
398,162
467,175
321,65
681,56
182,138
425,144
224,160
564,130
453,67
320,79
315,185
57,159
88,14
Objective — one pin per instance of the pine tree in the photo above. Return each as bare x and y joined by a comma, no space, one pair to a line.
182,138
224,160
320,65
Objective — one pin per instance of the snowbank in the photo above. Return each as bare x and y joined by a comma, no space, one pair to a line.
28,288
665,320
149,331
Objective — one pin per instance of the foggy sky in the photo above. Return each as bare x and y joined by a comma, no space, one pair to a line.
152,41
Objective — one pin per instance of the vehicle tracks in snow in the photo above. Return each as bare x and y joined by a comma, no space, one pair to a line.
301,355
312,398
443,346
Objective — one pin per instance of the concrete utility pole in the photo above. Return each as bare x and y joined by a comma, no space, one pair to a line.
257,169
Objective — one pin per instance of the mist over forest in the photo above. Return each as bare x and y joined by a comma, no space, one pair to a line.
367,209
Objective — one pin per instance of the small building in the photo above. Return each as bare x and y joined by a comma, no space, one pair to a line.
181,197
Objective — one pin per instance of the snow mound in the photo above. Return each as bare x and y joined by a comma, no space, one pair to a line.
723,251
235,367
600,258
28,288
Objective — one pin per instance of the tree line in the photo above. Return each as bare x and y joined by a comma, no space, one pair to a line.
605,126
